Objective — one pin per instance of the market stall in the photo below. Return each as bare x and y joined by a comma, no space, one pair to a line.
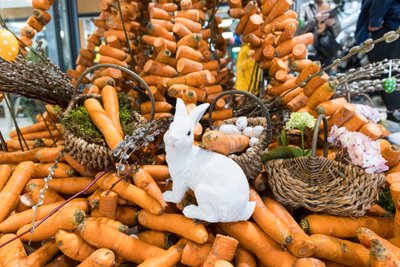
146,155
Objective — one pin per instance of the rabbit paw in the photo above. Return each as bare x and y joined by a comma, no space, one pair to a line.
195,212
171,196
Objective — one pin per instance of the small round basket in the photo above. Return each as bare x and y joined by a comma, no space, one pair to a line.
323,185
96,156
250,162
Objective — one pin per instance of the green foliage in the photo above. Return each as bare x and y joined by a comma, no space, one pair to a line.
78,122
385,200
285,152
30,108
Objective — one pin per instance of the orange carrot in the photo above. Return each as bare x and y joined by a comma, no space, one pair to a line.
220,114
189,53
159,31
158,115
67,219
130,248
192,40
380,255
193,79
340,250
78,167
101,82
193,26
299,51
156,238
395,194
160,107
16,221
309,262
315,83
329,107
299,64
24,203
100,258
75,185
371,130
333,225
50,196
194,254
366,236
323,93
288,33
223,248
143,180
42,255
168,258
244,258
392,155
157,68
42,4
286,47
158,172
108,204
13,188
185,66
395,168
268,222
393,178
289,96
18,156
111,60
174,223
297,102
37,127
73,245
110,102
301,244
376,210
307,71
277,9
5,173
103,123
342,115
115,224
355,123
225,143
63,170
130,192
282,87
112,52
12,254
251,237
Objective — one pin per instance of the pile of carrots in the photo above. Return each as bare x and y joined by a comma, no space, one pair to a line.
270,30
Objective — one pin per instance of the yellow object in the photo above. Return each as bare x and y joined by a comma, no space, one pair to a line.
245,65
8,45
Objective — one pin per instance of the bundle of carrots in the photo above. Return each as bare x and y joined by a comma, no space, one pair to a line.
118,48
183,65
270,30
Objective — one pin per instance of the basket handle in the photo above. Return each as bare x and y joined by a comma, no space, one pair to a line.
316,133
142,83
253,97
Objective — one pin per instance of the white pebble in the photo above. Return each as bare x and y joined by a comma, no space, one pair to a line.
249,132
229,129
257,131
241,123
253,141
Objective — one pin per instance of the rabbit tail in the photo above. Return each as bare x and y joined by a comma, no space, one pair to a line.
248,211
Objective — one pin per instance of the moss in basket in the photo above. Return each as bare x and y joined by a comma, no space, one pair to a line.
78,122
385,201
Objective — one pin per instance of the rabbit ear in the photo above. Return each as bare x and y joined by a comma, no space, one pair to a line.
180,108
198,112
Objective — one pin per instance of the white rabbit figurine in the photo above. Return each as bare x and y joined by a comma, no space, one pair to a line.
219,184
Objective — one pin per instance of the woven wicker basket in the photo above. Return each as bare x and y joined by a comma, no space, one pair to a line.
95,156
250,162
323,185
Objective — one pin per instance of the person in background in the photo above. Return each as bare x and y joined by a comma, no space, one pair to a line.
317,17
378,17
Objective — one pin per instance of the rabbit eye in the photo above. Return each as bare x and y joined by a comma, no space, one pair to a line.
189,133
